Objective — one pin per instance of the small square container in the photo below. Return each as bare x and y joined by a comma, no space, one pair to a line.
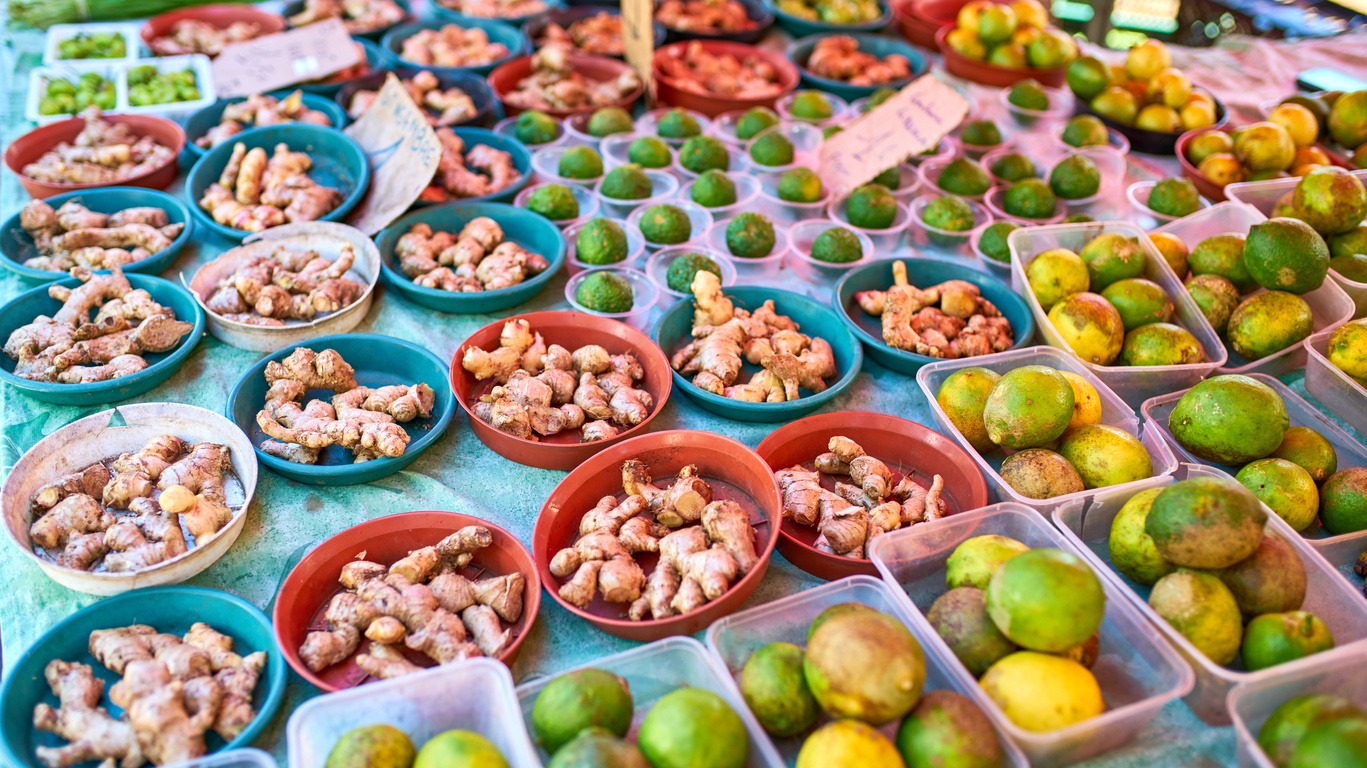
1264,195
39,77
636,246
644,296
1138,672
204,81
945,241
806,140
507,126
235,758
822,273
588,202
1114,412
1337,390
1339,672
474,695
546,166
840,109
747,191
749,270
930,169
698,218
663,185
1351,453
657,267
659,668
1060,108
994,202
733,639
782,212
614,149
648,124
1146,217
1087,526
1133,383
885,240
1211,220
132,42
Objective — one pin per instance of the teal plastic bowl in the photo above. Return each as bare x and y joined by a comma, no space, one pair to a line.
296,6
675,330
17,247
379,361
374,59
522,161
800,50
441,13
474,86
498,32
532,231
169,609
22,309
799,27
200,122
338,161
922,273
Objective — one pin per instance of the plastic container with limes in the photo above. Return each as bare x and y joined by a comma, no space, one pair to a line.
1134,383
1114,412
659,668
1351,453
472,695
1087,527
733,639
1137,672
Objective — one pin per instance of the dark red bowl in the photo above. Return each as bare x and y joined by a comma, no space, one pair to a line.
32,145
906,447
920,20
570,330
669,92
733,470
990,74
305,592
1209,189
217,16
504,79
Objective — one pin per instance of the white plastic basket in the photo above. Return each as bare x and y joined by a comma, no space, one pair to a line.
132,41
117,72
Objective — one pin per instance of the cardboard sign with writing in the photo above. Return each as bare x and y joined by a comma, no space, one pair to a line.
638,37
910,122
404,154
286,58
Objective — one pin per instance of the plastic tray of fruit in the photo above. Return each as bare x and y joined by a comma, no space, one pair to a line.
44,106
654,671
1136,671
734,639
473,695
1350,452
64,45
1338,673
1114,413
1329,304
1338,391
1133,383
1264,195
1087,525
236,758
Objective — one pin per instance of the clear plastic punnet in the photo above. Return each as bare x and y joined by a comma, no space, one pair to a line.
1133,383
1087,525
236,758
1331,386
1339,672
733,639
1138,673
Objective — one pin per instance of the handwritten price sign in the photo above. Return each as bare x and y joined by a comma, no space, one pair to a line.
910,122
275,61
404,154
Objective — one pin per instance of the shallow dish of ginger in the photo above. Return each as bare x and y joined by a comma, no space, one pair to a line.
137,496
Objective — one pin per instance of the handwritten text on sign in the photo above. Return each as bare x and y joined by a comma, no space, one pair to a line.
910,122
404,154
275,61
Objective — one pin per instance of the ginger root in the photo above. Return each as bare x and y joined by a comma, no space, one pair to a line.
948,320
255,193
273,284
476,259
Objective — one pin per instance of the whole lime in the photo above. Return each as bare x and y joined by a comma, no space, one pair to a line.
372,746
775,689
848,742
1288,723
772,149
1269,322
811,105
1343,501
750,236
554,201
1075,177
681,271
871,206
962,396
1056,274
1132,549
1286,255
1285,488
800,185
977,558
992,241
649,152
1310,451
1104,455
1085,131
466,749
693,728
677,124
704,153
754,120
580,163
949,213
1222,255
948,729
533,127
837,245
1046,600
626,182
1030,199
665,224
1175,197
1028,407
1229,419
609,120
713,189
1216,297
578,700
1013,166
962,176
1111,257
1276,638
980,133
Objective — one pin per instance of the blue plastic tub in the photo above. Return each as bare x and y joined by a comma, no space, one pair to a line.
922,273
338,161
757,10
200,122
799,27
498,32
442,13
532,231
168,609
522,161
17,247
22,309
379,361
800,50
675,330
577,12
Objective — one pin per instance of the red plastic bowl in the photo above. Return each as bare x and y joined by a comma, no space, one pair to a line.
305,592
669,92
990,74
906,447
570,330
733,470
1209,189
32,145
920,20
504,79
217,16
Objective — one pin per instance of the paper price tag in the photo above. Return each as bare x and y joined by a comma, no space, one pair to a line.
404,154
910,122
638,37
275,61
